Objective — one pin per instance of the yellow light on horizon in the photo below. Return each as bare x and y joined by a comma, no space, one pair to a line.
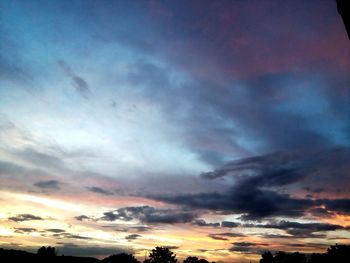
5,232
2,215
50,202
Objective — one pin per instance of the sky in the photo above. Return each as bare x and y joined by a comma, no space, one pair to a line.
219,129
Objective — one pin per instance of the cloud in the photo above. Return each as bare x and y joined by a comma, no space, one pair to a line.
246,247
50,184
55,230
244,199
80,84
25,230
132,237
230,234
314,190
229,224
217,237
258,181
40,158
148,214
7,168
172,247
82,218
99,190
321,212
301,230
341,206
225,236
64,235
201,222
24,217
141,228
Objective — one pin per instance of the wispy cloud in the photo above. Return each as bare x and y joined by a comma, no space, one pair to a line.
80,84
99,190
50,184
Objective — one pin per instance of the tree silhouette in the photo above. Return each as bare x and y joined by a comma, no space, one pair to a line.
344,11
334,254
296,258
195,260
47,251
266,257
338,253
318,258
161,255
120,258
280,257
191,260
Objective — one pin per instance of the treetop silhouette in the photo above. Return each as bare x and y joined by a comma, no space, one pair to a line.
161,255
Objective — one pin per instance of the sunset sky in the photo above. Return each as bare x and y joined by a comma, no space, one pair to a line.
220,129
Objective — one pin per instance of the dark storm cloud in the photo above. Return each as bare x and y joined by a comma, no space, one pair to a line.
24,217
309,226
284,168
314,190
148,214
300,230
257,180
80,84
99,190
50,184
321,212
244,199
201,222
132,237
229,224
341,206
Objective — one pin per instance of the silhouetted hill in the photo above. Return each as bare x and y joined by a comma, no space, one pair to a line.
11,256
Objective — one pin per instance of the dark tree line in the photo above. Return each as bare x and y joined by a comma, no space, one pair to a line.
334,254
49,254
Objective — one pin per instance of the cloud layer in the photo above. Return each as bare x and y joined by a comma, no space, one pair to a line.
219,123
